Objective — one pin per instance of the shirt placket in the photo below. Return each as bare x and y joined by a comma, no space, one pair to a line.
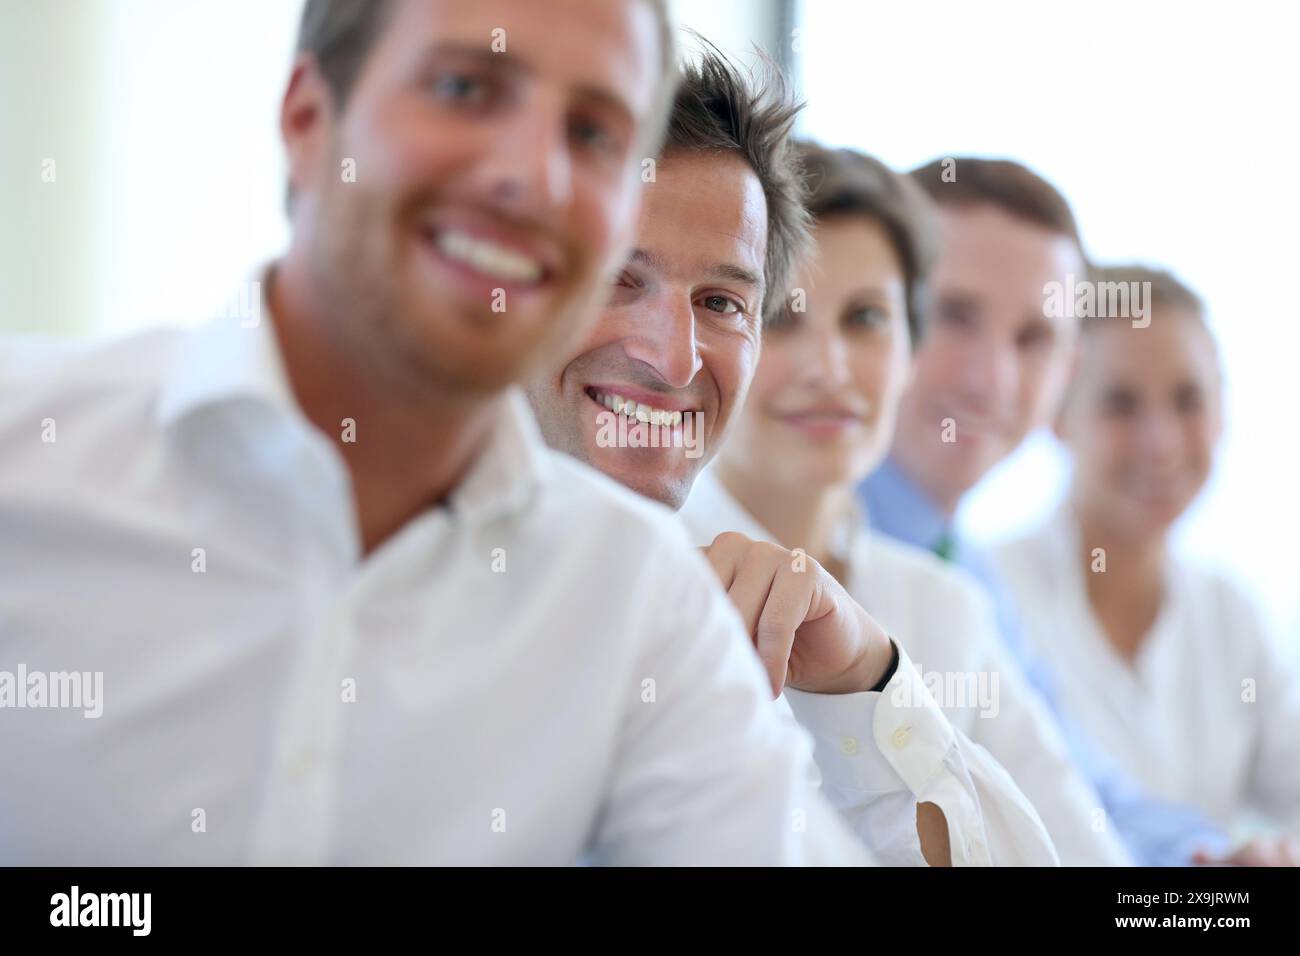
298,821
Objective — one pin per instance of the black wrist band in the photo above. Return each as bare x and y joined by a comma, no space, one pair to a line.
891,670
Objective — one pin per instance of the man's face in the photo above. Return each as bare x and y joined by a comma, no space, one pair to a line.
681,330
462,213
992,365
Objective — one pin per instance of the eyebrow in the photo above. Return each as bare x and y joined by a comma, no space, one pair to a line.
508,63
725,271
869,292
455,48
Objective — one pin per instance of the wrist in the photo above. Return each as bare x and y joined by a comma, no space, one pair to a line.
875,668
887,673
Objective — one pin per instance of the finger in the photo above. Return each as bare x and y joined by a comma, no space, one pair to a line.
751,582
783,612
725,555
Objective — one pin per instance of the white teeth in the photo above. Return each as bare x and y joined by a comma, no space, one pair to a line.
641,412
488,257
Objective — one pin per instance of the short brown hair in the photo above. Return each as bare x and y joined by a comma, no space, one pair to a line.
843,183
1003,183
1166,291
339,34
718,108
1165,288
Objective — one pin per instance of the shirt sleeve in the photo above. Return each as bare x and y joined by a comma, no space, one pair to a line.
1024,737
707,771
882,754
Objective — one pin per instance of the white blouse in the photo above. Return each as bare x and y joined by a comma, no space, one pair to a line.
1207,713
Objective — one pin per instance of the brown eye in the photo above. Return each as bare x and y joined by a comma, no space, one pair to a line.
591,135
1036,339
1189,399
866,317
461,89
1119,404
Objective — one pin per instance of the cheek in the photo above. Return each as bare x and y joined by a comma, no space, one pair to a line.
606,330
880,371
776,372
605,215
1202,435
1111,444
937,365
393,147
739,368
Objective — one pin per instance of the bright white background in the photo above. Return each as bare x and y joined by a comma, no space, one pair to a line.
1173,130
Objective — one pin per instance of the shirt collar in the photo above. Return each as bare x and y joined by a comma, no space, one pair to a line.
711,509
225,359
511,470
896,505
233,358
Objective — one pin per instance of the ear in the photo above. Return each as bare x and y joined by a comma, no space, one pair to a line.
306,123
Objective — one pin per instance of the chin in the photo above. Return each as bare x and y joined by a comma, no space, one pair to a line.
1161,516
667,488
964,467
486,370
830,471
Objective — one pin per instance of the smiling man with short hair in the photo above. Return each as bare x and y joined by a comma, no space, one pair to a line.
721,229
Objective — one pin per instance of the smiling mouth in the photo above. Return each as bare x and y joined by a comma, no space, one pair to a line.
490,260
633,410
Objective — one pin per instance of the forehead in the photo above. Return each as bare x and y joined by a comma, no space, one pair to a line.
852,251
609,47
703,209
1174,345
996,254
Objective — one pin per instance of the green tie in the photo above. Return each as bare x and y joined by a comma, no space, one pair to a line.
945,546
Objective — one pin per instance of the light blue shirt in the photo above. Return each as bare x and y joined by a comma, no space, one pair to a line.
1158,833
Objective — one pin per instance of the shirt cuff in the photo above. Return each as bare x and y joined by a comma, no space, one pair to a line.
895,741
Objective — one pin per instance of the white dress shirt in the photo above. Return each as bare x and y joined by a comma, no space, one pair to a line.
915,752
1208,712
540,671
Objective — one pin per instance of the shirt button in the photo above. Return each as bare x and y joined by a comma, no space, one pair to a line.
848,746
902,737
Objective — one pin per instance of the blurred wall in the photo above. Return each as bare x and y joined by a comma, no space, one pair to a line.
161,118
52,132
